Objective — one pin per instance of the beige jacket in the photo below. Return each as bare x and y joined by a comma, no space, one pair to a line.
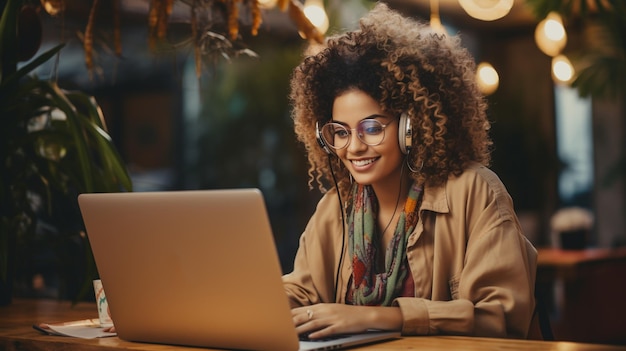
473,269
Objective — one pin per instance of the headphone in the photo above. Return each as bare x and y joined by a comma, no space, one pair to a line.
320,140
405,135
405,141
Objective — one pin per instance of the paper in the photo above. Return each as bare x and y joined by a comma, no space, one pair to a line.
84,329
103,305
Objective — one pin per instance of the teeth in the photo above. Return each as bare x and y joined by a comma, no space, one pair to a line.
360,163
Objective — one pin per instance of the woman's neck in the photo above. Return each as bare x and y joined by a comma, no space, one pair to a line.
392,194
391,199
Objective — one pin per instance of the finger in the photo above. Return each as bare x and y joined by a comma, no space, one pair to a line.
309,327
302,316
303,309
318,333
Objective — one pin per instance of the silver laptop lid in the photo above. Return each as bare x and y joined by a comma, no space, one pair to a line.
193,268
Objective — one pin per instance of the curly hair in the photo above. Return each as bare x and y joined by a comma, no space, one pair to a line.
407,67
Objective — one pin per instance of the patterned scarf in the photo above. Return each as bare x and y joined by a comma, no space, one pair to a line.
370,287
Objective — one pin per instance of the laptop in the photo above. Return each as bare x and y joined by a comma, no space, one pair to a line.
196,268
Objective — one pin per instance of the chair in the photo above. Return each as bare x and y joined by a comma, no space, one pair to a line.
540,327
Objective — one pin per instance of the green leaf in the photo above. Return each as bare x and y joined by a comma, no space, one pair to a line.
8,39
62,102
93,124
22,72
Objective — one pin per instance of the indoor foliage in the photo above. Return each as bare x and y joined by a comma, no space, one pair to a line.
53,146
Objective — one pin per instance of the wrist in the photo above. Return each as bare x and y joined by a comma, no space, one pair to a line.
386,318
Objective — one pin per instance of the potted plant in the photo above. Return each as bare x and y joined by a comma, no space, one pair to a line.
53,146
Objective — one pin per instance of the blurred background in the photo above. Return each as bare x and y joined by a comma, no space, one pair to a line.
185,113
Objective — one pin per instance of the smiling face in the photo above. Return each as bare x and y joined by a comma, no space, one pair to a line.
379,165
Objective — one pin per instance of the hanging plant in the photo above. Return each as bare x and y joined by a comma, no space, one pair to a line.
214,26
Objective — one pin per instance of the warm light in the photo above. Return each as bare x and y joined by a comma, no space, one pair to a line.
550,35
487,78
562,69
52,7
487,10
314,11
554,30
435,24
435,20
268,4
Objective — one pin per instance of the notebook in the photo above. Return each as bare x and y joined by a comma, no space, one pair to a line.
195,268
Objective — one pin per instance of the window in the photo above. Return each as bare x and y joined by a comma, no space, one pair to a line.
574,147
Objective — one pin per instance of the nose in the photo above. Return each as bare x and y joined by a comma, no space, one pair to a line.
355,144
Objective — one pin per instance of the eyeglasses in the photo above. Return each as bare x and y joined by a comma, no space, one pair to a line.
370,131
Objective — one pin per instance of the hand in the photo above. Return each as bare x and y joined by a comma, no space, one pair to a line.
323,320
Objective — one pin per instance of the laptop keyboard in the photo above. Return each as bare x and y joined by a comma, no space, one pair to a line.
305,337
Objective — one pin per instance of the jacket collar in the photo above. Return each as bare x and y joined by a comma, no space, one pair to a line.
435,199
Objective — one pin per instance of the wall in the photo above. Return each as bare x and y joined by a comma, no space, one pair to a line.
608,127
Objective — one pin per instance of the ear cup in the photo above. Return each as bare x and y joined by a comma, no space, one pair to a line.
320,140
405,133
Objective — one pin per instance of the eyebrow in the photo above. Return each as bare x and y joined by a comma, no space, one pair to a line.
374,116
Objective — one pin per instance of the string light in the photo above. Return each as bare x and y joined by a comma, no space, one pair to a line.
315,12
435,20
562,69
487,10
550,34
487,78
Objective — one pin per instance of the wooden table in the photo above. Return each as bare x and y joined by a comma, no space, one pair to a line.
586,293
16,334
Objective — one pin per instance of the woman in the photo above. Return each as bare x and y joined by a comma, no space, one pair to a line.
415,233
